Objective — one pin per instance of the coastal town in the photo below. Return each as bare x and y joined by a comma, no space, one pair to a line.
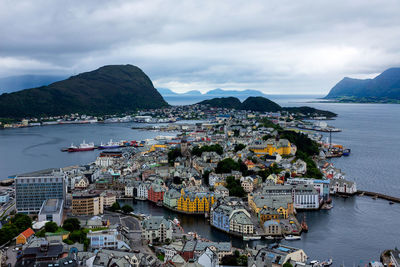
249,174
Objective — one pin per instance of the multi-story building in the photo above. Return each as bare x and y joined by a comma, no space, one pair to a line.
155,193
52,210
4,197
342,186
108,199
306,197
156,228
194,202
222,191
247,183
283,204
87,204
271,146
171,198
143,190
108,239
240,222
32,189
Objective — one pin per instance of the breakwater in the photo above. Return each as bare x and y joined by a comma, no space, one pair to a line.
378,195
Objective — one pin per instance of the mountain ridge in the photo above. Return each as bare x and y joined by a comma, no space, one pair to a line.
384,86
106,90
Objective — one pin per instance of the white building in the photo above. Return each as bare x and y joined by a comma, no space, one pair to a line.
110,238
52,210
342,186
105,162
306,197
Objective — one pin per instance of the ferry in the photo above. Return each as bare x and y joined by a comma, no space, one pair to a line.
82,147
292,237
110,144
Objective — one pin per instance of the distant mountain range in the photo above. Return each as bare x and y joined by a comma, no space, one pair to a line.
261,104
107,90
384,87
15,83
212,93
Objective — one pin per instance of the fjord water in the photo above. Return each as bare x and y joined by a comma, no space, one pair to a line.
356,229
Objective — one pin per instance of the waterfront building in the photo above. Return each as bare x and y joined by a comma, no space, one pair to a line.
155,193
271,146
322,186
143,190
110,239
33,188
52,210
272,227
306,197
171,198
219,217
276,255
156,228
282,204
87,204
395,257
342,186
4,197
195,202
240,222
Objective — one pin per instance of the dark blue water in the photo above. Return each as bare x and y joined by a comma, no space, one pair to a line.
355,229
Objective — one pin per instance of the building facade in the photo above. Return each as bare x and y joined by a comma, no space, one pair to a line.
32,189
87,204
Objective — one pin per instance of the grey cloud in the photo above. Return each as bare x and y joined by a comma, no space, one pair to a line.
274,46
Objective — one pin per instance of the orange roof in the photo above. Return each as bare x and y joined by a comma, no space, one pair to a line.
28,232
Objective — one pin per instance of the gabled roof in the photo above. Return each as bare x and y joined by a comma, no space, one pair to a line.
28,232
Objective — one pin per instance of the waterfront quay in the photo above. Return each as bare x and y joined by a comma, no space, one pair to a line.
242,174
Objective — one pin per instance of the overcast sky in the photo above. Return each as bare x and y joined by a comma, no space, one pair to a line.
278,47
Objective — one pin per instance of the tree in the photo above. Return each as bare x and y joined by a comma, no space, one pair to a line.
206,178
239,147
227,165
22,222
173,154
287,264
234,187
126,209
72,224
115,206
50,227
8,232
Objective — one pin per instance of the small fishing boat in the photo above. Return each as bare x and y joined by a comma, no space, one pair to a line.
304,225
391,203
327,262
292,237
346,152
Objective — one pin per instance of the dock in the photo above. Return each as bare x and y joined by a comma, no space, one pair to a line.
378,195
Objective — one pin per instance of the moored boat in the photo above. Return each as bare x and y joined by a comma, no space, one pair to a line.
292,237
82,147
346,152
110,144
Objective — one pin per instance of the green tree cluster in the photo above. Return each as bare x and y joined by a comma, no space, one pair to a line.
126,208
239,147
50,227
173,154
227,165
18,224
115,206
211,148
72,224
234,187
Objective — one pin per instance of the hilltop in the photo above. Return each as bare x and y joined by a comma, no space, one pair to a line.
383,88
262,104
107,90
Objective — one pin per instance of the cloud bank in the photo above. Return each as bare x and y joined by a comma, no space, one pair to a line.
278,47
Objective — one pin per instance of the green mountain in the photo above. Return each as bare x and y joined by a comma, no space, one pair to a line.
385,86
223,102
259,103
262,104
107,90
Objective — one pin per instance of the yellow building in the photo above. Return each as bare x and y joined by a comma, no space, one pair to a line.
271,146
281,203
195,202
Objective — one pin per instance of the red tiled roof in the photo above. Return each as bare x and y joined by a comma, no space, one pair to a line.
28,232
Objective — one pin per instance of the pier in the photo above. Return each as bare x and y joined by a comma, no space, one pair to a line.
378,195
